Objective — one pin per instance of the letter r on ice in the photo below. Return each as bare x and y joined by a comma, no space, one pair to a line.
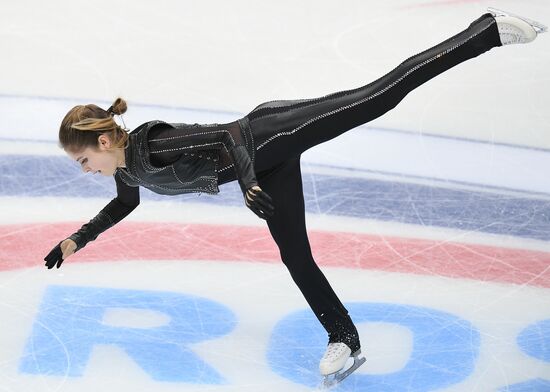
69,324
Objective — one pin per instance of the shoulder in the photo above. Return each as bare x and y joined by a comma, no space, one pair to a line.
150,125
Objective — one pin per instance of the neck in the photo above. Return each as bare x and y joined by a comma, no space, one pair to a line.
121,158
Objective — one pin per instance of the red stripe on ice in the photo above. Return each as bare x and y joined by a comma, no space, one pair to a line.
24,246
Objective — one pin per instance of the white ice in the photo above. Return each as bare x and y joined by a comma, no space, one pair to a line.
441,225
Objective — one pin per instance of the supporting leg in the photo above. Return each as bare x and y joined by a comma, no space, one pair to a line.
288,228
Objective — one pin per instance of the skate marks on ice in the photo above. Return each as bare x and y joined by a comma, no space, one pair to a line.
458,278
415,289
150,327
437,244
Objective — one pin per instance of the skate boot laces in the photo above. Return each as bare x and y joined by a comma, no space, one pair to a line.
333,363
335,358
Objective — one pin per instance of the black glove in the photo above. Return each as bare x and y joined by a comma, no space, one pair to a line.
259,202
243,167
55,256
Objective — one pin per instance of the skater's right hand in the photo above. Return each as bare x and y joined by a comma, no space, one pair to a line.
259,202
59,253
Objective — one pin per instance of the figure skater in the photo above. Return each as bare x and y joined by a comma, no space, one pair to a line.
262,152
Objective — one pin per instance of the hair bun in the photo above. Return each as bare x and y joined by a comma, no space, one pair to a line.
118,107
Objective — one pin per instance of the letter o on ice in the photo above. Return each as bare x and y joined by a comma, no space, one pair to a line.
441,341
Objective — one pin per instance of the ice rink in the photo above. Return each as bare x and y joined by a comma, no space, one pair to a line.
432,222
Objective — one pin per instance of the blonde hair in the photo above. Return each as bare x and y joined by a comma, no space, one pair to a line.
83,124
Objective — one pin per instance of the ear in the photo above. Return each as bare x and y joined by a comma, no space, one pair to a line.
104,142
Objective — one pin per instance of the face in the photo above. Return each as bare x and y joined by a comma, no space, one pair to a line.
100,160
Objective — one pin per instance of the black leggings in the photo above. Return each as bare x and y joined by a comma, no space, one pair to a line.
283,130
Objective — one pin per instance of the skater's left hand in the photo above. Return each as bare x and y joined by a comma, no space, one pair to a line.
259,202
59,253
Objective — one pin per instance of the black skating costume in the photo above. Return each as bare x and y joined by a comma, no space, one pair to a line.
264,149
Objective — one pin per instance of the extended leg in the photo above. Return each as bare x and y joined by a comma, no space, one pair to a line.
287,128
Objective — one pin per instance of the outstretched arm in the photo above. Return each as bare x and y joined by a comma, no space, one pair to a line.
126,201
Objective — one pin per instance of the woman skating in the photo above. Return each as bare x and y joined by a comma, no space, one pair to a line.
262,152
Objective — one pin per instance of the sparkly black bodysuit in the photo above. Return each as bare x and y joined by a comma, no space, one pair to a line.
279,132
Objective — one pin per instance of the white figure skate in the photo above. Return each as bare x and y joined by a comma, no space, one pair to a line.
514,29
333,362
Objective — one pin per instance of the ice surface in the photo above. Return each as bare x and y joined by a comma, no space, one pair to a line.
436,235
